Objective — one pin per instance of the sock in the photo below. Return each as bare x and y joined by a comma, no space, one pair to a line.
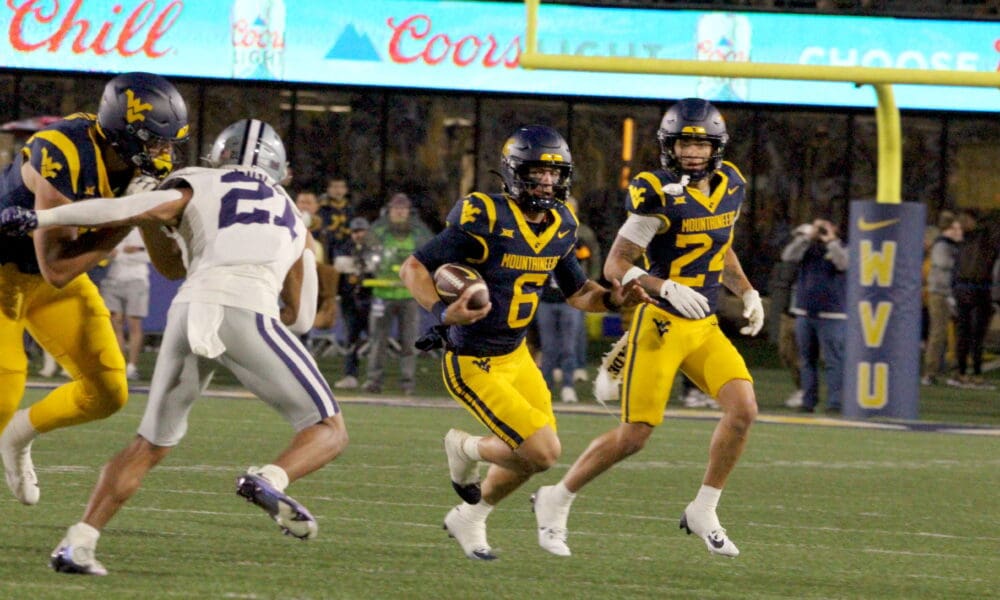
471,447
274,474
477,512
20,427
708,497
561,494
83,535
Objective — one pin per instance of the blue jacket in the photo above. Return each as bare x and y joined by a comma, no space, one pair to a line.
821,287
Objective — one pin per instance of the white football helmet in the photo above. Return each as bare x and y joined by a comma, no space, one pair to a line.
251,143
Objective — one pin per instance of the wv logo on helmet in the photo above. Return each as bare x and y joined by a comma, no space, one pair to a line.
135,107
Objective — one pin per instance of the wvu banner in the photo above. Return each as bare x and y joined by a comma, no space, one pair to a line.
882,357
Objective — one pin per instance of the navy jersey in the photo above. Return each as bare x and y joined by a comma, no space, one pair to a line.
515,258
696,231
66,154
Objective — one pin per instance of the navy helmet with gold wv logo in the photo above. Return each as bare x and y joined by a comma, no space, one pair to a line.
142,116
692,118
531,147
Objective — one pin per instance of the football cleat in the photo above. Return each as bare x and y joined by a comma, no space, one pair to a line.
568,395
551,522
609,373
464,471
292,517
19,470
75,560
707,527
470,535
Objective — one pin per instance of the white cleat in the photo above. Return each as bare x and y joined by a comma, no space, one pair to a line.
19,470
605,387
75,560
470,535
707,527
463,470
551,521
568,395
609,373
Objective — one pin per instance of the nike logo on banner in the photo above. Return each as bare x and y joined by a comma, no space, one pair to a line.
872,226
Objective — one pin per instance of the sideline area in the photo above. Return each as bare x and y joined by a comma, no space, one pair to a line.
598,410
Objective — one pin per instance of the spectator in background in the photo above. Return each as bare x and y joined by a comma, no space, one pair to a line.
971,288
559,325
355,298
395,236
328,277
308,205
588,253
782,323
821,320
335,212
125,290
939,295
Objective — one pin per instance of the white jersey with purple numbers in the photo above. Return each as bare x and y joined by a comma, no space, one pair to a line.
240,233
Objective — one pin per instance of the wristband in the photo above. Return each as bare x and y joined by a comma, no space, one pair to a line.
437,311
609,303
633,273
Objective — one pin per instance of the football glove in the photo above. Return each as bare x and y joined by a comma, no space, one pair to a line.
141,183
688,302
753,311
18,221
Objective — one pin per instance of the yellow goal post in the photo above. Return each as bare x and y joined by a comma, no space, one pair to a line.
886,112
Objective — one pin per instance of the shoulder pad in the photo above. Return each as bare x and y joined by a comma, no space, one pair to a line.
733,172
645,194
569,215
475,214
55,154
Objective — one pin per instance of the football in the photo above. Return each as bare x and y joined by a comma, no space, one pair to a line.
452,279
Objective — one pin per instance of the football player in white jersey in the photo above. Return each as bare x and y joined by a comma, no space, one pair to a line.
240,241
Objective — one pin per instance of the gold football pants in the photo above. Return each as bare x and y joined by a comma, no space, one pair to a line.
74,326
505,393
659,344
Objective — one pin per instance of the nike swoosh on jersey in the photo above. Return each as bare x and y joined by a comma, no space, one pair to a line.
563,234
873,225
733,189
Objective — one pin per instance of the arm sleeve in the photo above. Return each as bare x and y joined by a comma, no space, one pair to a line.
569,275
640,229
451,245
105,210
310,294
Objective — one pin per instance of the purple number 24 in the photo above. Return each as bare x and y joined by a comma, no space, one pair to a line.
230,202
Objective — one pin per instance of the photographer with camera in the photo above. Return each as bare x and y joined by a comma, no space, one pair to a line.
818,306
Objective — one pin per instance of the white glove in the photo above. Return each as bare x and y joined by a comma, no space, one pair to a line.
141,183
753,311
688,302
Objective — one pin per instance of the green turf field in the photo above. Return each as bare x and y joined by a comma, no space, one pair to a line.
818,512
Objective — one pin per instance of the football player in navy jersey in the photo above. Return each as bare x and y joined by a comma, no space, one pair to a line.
43,281
516,240
681,218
